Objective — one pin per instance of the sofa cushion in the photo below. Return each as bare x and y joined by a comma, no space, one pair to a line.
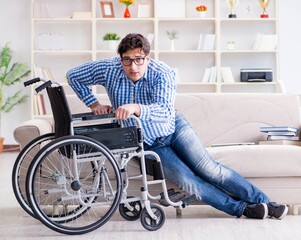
260,160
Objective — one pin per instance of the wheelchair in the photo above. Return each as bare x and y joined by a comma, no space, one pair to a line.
74,180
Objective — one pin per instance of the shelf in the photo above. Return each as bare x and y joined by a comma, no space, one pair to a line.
51,20
81,40
63,52
238,20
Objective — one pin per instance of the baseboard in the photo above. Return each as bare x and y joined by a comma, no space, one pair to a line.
11,148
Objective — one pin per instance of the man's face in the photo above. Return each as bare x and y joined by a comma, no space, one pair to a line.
134,63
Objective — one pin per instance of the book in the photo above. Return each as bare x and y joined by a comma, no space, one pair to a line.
281,133
265,41
47,74
231,144
280,142
35,105
227,75
257,40
212,76
42,72
206,75
278,129
82,15
38,71
40,104
206,42
282,137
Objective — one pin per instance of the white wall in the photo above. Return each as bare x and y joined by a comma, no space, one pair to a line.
15,28
290,44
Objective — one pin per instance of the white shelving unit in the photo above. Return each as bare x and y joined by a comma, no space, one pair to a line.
74,41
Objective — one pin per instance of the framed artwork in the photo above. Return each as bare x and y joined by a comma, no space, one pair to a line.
143,10
107,9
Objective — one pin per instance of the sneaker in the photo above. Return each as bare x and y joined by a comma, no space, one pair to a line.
258,211
277,211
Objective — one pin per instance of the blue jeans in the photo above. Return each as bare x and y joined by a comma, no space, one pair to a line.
186,163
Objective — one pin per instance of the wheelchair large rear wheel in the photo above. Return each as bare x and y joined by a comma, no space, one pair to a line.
61,179
21,166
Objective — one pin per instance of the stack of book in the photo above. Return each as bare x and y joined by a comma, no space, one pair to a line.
210,75
265,42
281,133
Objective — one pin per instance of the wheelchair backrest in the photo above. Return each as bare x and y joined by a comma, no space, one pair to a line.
60,111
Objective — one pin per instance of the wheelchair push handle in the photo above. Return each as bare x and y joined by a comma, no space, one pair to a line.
31,81
43,86
46,83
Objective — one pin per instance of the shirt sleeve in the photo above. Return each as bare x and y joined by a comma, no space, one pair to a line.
80,80
163,97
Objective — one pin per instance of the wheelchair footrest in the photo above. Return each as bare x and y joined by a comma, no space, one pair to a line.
189,200
176,197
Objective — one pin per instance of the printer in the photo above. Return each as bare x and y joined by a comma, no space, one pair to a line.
256,75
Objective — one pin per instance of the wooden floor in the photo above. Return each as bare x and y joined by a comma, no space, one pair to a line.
196,223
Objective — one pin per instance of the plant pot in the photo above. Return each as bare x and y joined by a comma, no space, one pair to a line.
112,45
202,14
1,144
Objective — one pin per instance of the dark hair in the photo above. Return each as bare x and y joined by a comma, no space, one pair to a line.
132,41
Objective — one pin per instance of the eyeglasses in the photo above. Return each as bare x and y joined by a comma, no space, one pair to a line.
128,61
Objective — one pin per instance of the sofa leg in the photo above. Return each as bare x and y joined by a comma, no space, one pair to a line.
295,209
178,212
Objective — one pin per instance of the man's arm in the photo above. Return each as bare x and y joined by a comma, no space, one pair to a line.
80,79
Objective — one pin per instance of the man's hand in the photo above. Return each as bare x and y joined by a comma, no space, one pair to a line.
125,111
97,108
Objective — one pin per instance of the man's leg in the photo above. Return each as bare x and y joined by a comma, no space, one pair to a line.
176,171
191,150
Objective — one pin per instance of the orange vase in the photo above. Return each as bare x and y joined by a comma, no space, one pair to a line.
127,13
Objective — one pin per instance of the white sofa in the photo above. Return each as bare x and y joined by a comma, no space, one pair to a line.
231,118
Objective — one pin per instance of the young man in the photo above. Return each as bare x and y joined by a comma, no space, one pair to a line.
137,84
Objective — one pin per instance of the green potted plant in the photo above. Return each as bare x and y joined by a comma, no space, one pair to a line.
10,73
112,40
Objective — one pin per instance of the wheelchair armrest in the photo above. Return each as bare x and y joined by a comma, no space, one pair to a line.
100,116
91,116
79,116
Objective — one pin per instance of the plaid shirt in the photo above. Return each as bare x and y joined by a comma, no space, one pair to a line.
155,92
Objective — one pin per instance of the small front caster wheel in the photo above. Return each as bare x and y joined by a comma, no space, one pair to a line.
148,222
129,215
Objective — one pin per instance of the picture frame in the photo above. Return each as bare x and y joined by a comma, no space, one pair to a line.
107,9
143,10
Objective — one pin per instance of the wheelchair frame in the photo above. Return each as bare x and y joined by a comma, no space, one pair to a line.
75,183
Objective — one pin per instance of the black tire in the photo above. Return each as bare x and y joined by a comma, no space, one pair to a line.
148,222
21,166
93,194
130,215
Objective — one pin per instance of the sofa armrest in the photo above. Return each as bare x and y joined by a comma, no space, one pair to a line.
31,129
